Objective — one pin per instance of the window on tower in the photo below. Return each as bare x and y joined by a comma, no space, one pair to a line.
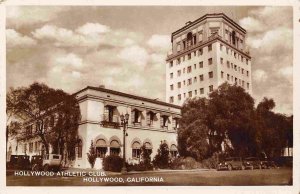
210,74
210,62
211,88
201,64
210,47
201,90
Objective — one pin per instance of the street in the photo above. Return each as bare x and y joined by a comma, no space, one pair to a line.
282,176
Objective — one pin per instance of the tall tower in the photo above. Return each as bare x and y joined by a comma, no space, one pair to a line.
206,53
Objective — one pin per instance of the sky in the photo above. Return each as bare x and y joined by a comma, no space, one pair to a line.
124,48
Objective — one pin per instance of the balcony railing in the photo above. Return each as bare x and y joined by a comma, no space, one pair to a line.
110,121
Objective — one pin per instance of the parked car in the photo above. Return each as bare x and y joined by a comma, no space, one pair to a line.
36,161
20,162
267,163
48,162
253,163
232,163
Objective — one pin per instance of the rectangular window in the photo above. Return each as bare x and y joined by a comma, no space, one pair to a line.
194,53
200,52
171,75
136,153
201,77
171,87
195,92
189,56
201,64
235,67
210,62
222,74
243,83
235,80
210,74
248,73
184,95
164,121
178,61
195,66
183,82
178,47
178,73
171,64
227,50
221,47
179,97
221,61
242,71
179,84
200,37
201,90
195,79
248,86
190,94
189,69
171,99
194,40
190,81
228,77
210,47
228,64
247,61
211,88
242,58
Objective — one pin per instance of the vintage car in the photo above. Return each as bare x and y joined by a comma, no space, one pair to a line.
47,162
231,164
20,162
253,163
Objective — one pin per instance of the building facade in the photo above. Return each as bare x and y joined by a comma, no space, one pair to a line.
206,53
150,123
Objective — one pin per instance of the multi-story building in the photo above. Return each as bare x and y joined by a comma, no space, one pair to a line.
206,53
151,122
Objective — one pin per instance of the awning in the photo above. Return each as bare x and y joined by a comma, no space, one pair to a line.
114,144
176,116
136,145
138,109
101,143
165,114
153,111
173,147
148,145
108,103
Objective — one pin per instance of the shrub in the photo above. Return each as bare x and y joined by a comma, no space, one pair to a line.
92,155
162,158
185,163
113,163
139,167
211,162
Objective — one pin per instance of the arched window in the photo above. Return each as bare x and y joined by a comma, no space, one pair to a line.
148,147
173,150
114,148
79,149
101,148
136,149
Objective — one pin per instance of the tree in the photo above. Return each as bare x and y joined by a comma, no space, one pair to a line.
230,115
92,155
275,130
193,134
162,158
145,155
36,105
224,118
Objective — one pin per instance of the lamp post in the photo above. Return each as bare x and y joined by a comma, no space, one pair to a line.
124,123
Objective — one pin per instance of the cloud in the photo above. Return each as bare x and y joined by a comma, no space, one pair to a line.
270,40
93,28
161,42
134,55
260,75
70,60
15,39
252,24
19,16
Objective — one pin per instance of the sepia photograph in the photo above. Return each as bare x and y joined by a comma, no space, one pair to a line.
149,95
